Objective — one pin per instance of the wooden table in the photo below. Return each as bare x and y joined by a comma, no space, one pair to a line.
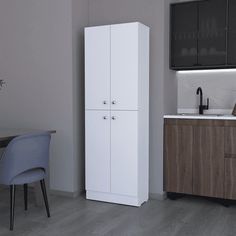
6,135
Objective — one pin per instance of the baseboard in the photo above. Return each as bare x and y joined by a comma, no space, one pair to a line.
157,196
66,194
113,198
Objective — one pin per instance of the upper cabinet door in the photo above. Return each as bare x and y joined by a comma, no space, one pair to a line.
232,33
97,67
124,66
184,29
212,33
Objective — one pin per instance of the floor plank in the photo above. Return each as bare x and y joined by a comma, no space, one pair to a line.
184,217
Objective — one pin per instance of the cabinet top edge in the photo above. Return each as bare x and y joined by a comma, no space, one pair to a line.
136,22
187,2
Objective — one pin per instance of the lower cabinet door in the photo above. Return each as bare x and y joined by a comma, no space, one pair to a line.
97,148
124,152
208,161
178,159
230,178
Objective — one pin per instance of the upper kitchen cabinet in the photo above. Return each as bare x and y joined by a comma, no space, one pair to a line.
199,35
212,33
232,33
184,28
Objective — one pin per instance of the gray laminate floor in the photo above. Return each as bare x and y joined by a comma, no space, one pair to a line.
186,216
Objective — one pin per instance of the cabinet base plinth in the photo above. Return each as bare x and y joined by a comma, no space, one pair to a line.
114,198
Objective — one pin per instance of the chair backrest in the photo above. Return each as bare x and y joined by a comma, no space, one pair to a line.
24,153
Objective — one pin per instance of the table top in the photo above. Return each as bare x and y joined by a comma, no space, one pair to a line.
6,134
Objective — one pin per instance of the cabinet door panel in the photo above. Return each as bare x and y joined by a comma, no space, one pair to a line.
208,161
97,67
178,159
212,33
97,151
232,33
124,152
184,34
230,142
230,178
124,66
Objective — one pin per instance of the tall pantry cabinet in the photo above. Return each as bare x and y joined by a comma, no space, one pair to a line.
117,113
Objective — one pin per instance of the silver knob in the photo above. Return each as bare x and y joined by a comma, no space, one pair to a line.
104,117
104,102
113,118
113,102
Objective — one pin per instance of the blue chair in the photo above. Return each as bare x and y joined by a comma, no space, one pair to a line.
25,160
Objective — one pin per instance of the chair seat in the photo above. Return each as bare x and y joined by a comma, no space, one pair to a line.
29,176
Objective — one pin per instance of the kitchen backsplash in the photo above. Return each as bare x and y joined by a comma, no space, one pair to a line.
219,86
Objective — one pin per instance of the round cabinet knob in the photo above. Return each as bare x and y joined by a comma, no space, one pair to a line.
113,118
104,117
113,102
104,102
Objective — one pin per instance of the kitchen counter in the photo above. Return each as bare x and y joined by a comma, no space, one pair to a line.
201,117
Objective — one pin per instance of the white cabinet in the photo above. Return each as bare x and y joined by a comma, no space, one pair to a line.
124,152
98,151
117,113
97,67
124,66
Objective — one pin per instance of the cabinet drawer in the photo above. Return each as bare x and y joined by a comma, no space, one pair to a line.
230,142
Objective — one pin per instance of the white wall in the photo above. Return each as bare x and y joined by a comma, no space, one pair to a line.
79,21
163,87
36,61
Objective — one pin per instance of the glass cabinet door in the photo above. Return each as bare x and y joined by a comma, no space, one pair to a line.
212,33
184,34
232,33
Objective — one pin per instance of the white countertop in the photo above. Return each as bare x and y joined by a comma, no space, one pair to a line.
201,117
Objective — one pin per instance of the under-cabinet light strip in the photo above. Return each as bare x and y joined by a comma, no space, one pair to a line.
205,71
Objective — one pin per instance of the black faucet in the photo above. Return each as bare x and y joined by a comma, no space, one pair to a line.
201,106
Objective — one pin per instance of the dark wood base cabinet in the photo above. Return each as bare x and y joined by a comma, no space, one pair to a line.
200,158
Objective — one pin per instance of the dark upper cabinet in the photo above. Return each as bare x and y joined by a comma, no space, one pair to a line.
212,33
232,33
199,36
184,35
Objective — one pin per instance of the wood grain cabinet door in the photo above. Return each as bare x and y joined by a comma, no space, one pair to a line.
208,161
230,178
230,142
178,159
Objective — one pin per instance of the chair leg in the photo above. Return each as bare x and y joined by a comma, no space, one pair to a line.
43,187
26,196
12,205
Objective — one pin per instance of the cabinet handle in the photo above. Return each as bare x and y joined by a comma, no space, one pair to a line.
104,102
113,118
104,117
113,102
